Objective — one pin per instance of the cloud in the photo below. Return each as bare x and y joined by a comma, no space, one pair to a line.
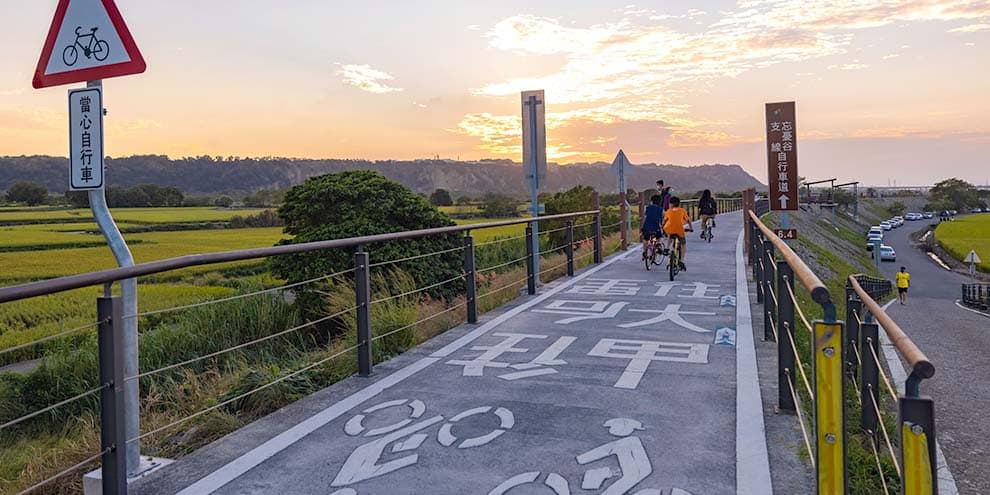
891,55
366,78
971,28
621,71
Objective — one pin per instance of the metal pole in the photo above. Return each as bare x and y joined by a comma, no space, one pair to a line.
596,228
128,327
113,431
870,375
531,256
570,248
470,282
535,184
916,423
830,418
769,309
758,270
854,312
362,292
786,361
624,234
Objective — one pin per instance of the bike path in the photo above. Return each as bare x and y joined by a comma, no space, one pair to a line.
610,382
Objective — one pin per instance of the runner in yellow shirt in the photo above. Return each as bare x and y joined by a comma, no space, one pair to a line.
903,282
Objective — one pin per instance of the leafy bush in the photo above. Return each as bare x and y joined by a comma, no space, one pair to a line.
441,197
29,193
266,218
499,206
360,203
573,200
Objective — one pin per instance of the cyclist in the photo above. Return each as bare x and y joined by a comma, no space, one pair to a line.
708,209
652,220
664,195
674,225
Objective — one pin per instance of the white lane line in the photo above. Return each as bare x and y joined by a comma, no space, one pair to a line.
971,310
752,459
946,482
236,468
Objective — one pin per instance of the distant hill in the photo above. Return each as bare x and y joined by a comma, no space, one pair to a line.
207,175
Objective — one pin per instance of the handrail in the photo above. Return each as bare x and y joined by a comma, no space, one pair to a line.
920,365
819,293
44,287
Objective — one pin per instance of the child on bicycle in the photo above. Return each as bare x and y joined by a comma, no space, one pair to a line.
707,208
674,225
652,220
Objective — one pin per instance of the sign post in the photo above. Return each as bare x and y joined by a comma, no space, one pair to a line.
618,168
534,159
782,163
973,259
87,42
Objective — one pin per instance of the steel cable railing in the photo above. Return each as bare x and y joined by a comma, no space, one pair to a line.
876,457
64,472
417,257
883,374
799,311
886,436
491,292
502,265
239,346
800,415
242,296
52,337
52,407
243,395
419,290
553,250
420,321
500,240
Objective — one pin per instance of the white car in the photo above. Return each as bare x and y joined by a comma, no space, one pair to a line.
929,214
873,239
886,225
913,216
876,229
887,253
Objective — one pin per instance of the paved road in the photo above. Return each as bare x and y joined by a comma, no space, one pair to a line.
957,342
608,383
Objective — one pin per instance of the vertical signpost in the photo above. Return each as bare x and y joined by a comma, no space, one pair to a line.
534,159
87,42
782,163
619,166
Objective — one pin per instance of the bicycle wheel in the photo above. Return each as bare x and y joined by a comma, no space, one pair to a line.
102,50
674,259
651,254
70,55
708,236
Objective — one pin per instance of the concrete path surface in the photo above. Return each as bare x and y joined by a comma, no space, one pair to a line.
613,382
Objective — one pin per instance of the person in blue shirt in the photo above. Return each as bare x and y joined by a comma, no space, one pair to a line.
652,222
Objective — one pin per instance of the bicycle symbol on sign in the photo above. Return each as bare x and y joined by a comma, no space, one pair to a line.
366,462
89,44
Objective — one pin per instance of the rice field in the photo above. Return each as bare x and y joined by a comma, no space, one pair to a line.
126,215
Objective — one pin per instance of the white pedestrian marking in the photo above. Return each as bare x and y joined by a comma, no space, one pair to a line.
582,310
641,352
607,287
671,313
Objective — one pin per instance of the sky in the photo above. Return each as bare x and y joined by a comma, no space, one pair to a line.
888,91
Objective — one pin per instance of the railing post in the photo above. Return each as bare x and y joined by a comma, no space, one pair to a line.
854,312
113,440
916,418
624,225
642,206
596,228
470,279
769,309
830,421
570,248
758,270
786,361
362,291
530,262
869,387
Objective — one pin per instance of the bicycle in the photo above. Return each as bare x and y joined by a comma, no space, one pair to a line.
654,252
706,233
95,47
674,260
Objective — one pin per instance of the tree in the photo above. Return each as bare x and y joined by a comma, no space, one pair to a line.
30,193
573,200
953,194
441,197
499,206
359,203
224,201
78,199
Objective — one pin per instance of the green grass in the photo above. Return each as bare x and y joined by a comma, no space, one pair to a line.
967,233
128,215
485,235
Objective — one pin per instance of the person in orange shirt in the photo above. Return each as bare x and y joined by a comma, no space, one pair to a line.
674,224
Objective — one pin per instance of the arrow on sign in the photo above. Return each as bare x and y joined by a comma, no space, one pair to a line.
972,258
783,201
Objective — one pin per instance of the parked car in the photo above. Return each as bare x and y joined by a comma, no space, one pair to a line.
929,214
897,221
911,217
886,225
977,210
876,229
887,253
953,213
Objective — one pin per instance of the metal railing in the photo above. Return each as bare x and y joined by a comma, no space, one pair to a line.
976,296
842,353
112,378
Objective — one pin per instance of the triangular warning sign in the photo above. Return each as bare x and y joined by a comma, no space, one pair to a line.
88,40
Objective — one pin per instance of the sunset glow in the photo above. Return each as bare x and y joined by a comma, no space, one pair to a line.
885,90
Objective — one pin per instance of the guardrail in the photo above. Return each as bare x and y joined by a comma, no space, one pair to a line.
838,358
113,377
976,296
